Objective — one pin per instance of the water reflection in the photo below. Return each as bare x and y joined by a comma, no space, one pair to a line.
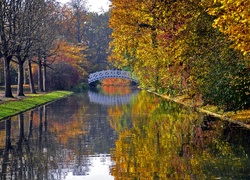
64,138
107,99
166,141
149,138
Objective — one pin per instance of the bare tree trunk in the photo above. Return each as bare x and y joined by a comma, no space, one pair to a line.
40,78
8,91
31,80
44,75
20,78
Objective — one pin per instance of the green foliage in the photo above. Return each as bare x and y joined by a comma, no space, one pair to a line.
228,86
80,88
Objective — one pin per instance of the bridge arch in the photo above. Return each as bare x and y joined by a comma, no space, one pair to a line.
110,74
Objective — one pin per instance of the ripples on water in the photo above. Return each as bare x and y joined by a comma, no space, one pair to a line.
121,136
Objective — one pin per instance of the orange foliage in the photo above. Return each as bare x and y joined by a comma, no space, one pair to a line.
70,53
116,81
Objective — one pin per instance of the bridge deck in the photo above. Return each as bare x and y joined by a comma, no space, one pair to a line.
110,74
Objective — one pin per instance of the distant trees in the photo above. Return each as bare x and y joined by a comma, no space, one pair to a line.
80,27
88,31
97,37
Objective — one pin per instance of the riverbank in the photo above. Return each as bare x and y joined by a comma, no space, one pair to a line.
12,106
241,118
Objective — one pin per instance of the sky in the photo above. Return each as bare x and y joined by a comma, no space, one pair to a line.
94,5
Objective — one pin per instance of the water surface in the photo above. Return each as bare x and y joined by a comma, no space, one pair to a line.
121,134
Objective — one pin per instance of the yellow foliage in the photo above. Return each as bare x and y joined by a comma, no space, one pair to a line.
233,19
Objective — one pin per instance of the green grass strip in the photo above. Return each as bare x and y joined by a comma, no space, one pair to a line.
11,108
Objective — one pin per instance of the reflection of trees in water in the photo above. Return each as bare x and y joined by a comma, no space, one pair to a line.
101,136
167,141
36,152
25,157
51,141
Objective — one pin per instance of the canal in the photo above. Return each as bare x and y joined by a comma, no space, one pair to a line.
121,134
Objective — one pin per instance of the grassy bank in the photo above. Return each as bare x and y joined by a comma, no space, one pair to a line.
12,107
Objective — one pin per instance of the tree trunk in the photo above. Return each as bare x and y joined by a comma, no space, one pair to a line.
7,78
40,78
31,80
20,78
44,74
25,75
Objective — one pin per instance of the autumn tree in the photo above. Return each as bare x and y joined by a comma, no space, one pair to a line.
72,20
142,31
232,18
173,47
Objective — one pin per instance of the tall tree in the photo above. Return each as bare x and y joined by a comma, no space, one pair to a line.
142,31
31,20
31,80
47,34
21,22
7,17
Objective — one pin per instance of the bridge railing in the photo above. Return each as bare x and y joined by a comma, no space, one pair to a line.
110,74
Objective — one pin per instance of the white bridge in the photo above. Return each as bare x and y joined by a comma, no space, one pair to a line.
110,74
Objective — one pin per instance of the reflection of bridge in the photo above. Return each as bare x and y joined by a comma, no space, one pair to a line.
111,99
110,74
